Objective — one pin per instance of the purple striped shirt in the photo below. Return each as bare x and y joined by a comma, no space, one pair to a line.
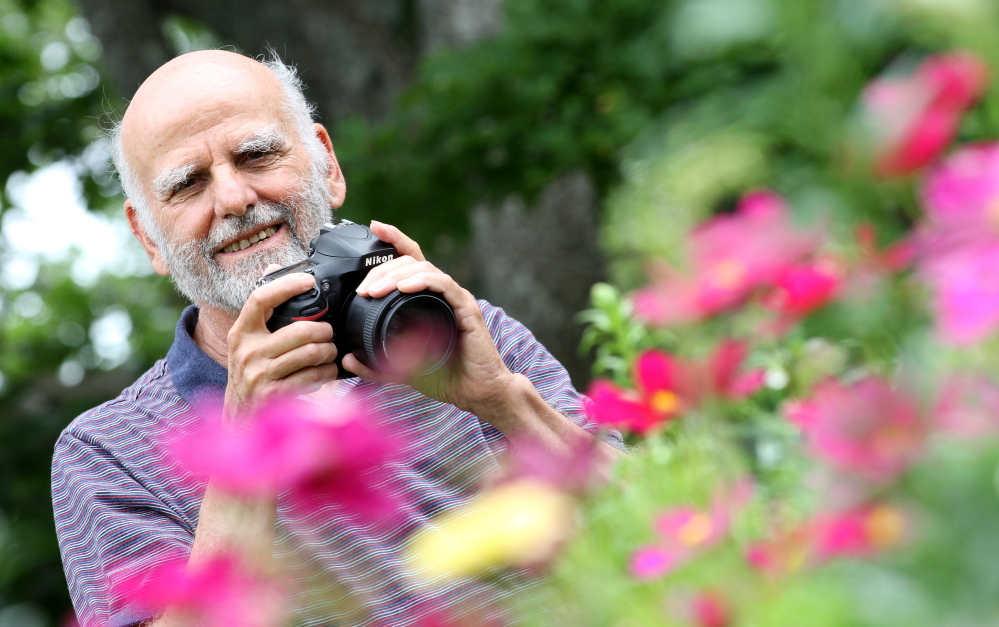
120,505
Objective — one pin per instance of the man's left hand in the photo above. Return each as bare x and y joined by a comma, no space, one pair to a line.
475,376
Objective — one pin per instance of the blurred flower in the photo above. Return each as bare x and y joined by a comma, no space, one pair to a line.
961,198
730,257
867,429
914,118
959,243
685,532
803,288
894,258
216,592
965,285
315,452
710,609
859,532
968,407
668,386
518,523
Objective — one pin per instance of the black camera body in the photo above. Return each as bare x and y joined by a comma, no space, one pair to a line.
415,333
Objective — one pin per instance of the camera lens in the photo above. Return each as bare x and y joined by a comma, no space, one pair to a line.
408,334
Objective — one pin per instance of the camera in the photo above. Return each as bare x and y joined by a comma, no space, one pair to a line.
398,333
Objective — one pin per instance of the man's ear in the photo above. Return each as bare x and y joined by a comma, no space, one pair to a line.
337,184
152,250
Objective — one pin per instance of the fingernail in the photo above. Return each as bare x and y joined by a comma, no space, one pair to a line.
376,222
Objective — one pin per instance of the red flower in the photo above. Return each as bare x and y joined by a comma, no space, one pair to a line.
804,288
914,118
668,386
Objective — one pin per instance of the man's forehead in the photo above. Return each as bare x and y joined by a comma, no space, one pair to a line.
188,97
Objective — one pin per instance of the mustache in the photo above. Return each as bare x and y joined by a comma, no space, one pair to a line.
259,216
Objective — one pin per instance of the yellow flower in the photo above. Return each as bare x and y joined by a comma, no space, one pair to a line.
516,523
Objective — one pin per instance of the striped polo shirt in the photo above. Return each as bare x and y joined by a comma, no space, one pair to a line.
121,506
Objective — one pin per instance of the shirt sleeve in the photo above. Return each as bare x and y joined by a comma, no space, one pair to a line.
110,527
523,354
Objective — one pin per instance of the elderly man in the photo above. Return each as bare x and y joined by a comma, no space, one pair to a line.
226,174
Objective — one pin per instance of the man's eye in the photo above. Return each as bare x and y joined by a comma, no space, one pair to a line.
256,154
182,185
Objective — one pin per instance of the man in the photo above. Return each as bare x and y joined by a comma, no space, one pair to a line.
226,175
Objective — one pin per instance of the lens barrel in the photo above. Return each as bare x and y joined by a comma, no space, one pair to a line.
412,334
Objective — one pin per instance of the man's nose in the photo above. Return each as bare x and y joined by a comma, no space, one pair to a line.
233,193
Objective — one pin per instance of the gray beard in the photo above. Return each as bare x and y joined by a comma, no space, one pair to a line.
198,276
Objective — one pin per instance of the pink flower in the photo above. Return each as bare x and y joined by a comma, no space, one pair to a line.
859,532
961,197
914,118
668,386
217,592
710,609
685,532
730,257
316,453
965,286
968,407
867,429
804,288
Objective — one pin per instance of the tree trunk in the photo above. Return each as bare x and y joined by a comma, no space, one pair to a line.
539,264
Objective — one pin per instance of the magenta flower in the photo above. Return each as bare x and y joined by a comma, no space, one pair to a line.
731,256
316,453
868,429
914,118
217,592
965,286
668,386
804,288
960,197
685,532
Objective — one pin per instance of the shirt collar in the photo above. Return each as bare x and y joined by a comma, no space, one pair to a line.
199,378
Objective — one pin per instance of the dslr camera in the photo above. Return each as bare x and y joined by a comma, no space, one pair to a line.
398,333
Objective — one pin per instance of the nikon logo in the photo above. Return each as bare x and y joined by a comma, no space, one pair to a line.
374,261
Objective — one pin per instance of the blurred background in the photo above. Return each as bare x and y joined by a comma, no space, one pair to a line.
533,147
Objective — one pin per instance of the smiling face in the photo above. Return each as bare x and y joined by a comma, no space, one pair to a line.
229,182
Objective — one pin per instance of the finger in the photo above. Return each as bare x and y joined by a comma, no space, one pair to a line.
306,356
438,282
262,301
297,334
271,267
404,245
389,282
308,380
353,364
379,271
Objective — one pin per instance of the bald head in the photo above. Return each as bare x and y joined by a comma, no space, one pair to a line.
202,81
209,83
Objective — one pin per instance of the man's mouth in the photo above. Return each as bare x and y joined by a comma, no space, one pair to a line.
251,240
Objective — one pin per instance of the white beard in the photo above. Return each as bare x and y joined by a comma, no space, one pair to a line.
198,276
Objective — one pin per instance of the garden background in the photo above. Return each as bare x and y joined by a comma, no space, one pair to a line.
535,148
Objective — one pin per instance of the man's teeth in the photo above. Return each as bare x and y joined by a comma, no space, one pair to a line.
253,239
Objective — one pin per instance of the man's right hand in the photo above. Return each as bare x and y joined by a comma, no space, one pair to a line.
296,359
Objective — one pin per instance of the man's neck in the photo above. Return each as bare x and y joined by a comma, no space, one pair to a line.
212,332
